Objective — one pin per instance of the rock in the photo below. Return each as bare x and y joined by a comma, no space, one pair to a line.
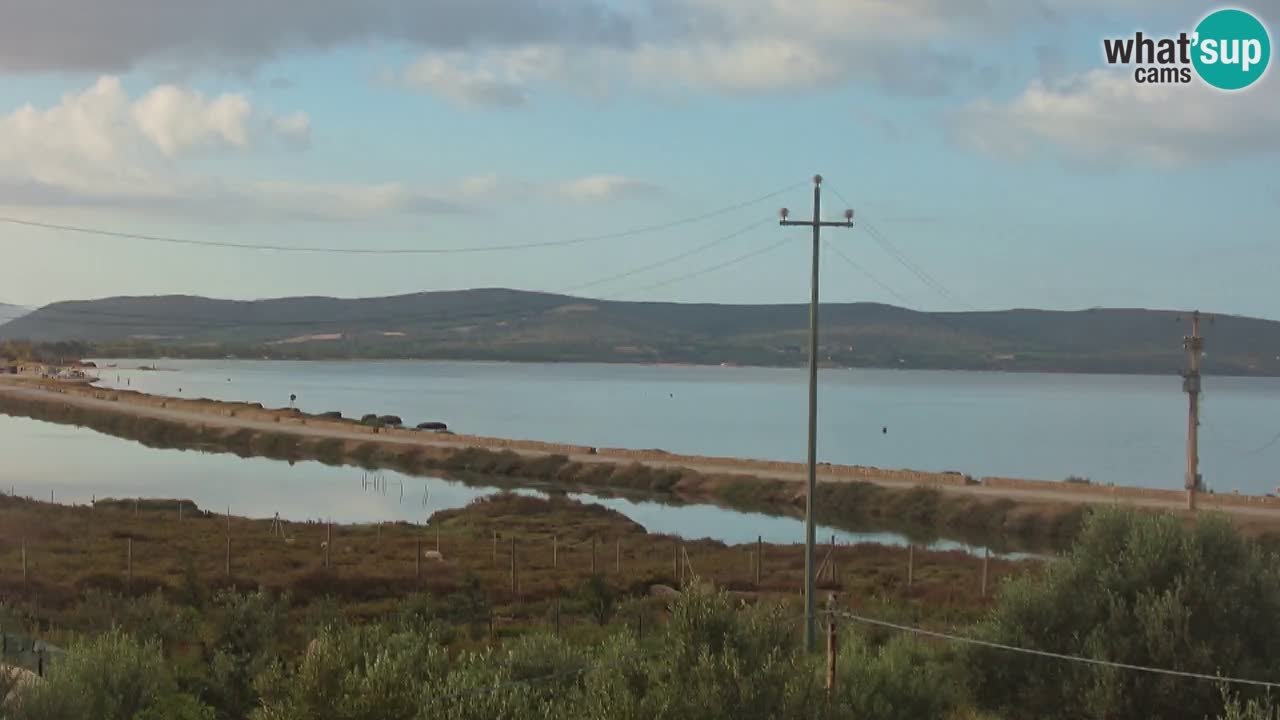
432,426
390,420
433,555
664,591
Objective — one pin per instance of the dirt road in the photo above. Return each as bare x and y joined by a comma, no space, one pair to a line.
711,466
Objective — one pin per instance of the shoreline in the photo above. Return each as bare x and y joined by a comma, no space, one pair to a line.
761,483
726,365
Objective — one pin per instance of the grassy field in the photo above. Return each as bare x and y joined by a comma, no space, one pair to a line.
566,554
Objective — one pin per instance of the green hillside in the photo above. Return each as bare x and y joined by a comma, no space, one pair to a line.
498,324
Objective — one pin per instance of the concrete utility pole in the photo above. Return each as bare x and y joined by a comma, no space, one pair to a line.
810,602
1194,345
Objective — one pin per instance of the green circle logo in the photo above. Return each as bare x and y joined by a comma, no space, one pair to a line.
1232,49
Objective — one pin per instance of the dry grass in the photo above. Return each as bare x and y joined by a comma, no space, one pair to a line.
372,568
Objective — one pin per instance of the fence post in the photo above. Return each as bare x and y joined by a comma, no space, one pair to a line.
986,556
911,562
180,504
759,559
617,556
228,521
513,568
831,647
555,552
437,539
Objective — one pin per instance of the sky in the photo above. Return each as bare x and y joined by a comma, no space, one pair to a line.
992,157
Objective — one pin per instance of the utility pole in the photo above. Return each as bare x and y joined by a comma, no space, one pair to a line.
1194,345
810,602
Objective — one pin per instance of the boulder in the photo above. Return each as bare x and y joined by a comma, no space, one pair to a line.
432,426
390,420
663,591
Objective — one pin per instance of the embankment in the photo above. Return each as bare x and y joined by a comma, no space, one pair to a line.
921,507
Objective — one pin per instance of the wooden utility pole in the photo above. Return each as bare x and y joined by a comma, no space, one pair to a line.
1194,345
810,605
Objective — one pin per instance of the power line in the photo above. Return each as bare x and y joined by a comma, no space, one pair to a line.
132,319
1053,655
396,251
893,251
867,273
703,271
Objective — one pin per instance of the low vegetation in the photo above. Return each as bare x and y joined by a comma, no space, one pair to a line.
1136,588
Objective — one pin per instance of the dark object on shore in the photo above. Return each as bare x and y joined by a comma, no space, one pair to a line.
370,419
390,420
432,426
884,431
332,415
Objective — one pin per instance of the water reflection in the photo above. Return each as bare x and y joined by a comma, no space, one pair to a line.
79,465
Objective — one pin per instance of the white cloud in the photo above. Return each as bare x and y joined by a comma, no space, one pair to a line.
597,188
101,148
177,119
294,129
494,78
1104,117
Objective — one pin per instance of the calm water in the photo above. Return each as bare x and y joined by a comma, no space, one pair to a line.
1122,429
78,465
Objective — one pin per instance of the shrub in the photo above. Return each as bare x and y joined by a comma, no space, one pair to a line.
1137,588
111,677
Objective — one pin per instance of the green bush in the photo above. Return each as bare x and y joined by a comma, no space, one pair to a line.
111,677
1137,588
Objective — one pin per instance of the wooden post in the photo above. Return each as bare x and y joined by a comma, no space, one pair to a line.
437,539
831,648
555,552
228,521
759,559
911,562
617,556
180,504
832,572
328,541
986,556
675,564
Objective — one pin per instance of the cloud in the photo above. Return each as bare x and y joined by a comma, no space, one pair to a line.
100,36
1103,117
294,129
597,188
101,148
176,119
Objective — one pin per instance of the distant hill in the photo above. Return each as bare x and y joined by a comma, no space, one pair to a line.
496,324
11,312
